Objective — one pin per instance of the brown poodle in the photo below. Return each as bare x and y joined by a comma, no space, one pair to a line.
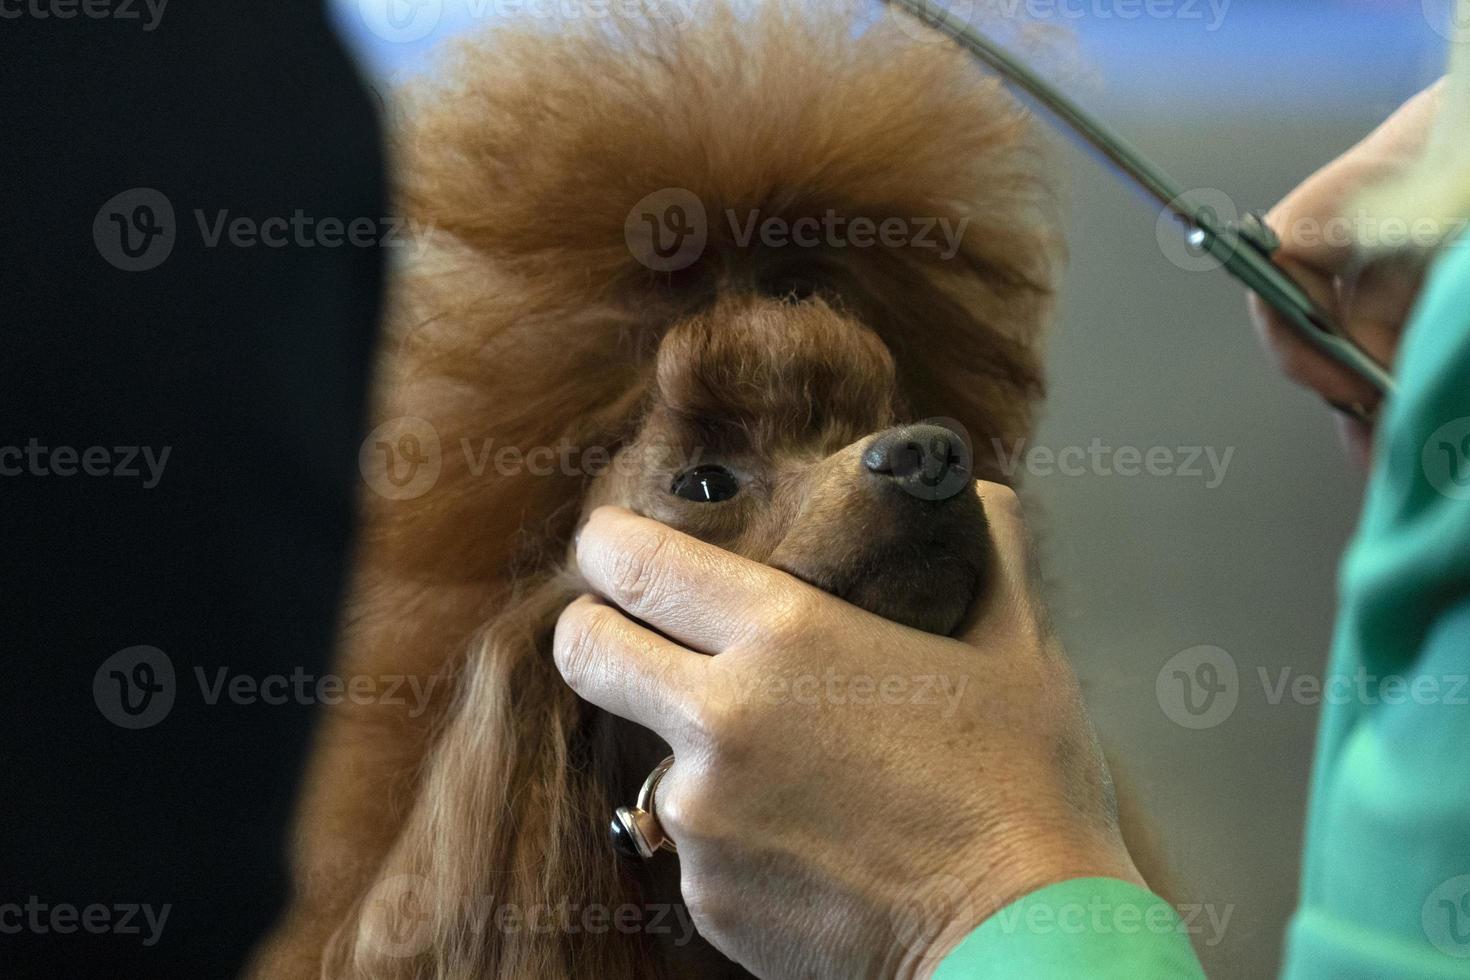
679,266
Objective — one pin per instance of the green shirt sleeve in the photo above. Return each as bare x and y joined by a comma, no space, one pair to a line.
1098,928
1386,876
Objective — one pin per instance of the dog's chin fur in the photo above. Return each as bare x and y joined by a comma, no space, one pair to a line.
524,320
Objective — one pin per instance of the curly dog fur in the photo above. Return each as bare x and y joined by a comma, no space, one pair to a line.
529,321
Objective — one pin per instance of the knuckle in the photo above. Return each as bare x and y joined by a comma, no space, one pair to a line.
635,573
582,634
687,808
1000,498
706,718
677,810
703,904
789,617
711,912
727,726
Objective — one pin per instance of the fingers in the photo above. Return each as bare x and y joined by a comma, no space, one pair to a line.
1312,222
704,597
627,669
1010,601
1325,251
1317,261
1304,364
1008,533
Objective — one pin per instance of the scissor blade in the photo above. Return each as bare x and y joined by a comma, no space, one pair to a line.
1244,257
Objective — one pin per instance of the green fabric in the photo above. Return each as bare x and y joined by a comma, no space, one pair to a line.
1093,928
1386,876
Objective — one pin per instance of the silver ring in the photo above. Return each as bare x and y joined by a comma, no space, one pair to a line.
636,832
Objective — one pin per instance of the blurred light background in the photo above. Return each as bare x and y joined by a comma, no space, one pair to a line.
1247,97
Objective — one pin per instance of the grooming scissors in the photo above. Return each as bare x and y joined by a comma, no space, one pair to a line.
1243,247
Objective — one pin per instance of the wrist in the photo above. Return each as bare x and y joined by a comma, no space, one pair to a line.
961,902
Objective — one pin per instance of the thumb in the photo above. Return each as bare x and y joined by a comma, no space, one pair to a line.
1010,600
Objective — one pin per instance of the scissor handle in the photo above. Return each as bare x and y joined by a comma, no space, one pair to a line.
1246,248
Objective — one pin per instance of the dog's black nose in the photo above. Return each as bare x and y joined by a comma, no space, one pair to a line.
929,461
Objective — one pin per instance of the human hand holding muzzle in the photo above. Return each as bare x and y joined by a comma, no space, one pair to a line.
850,797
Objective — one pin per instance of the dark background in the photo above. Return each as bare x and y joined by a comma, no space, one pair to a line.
249,365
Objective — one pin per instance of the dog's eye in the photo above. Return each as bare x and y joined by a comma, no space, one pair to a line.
707,484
